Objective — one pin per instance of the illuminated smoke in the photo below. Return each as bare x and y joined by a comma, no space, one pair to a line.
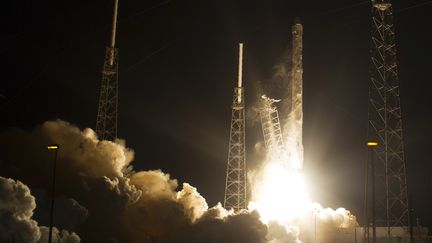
16,211
125,205
62,236
16,222
280,195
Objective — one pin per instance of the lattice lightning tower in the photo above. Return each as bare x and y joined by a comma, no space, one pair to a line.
385,125
235,187
106,120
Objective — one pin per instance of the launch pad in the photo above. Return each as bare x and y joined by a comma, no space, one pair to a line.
386,213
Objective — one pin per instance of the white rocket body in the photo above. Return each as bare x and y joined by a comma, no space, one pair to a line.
294,142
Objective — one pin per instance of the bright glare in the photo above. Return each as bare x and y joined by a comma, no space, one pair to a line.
280,194
279,191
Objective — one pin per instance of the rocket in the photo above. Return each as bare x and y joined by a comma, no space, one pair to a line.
294,143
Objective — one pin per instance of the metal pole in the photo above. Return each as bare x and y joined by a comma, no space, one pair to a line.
240,66
315,229
373,194
411,225
355,235
240,73
366,201
52,197
114,24
113,33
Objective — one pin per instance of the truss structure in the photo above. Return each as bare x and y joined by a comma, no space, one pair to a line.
235,187
271,127
386,165
106,121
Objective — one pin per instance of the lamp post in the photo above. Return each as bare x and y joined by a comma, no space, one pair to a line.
371,145
315,212
54,148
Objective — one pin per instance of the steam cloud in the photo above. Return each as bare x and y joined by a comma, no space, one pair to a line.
123,205
16,211
106,200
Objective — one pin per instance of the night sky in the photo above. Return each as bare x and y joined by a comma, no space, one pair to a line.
178,62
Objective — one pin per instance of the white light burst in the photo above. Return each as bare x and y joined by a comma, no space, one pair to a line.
280,193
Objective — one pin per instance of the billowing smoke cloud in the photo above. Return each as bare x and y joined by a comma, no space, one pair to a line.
63,236
242,227
329,221
107,200
282,234
93,173
16,211
164,215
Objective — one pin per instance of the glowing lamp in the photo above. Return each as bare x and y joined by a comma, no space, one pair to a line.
372,144
53,147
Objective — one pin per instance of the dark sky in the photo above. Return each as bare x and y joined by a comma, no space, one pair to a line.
178,68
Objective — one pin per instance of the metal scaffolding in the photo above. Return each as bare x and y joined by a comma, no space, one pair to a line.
271,127
386,167
106,120
235,186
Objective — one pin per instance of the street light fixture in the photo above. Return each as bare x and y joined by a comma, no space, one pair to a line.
372,144
54,148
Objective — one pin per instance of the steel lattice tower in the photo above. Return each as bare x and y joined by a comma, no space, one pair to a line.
386,162
106,120
235,185
271,127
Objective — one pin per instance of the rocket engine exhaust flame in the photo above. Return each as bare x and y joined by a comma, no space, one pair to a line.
281,194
